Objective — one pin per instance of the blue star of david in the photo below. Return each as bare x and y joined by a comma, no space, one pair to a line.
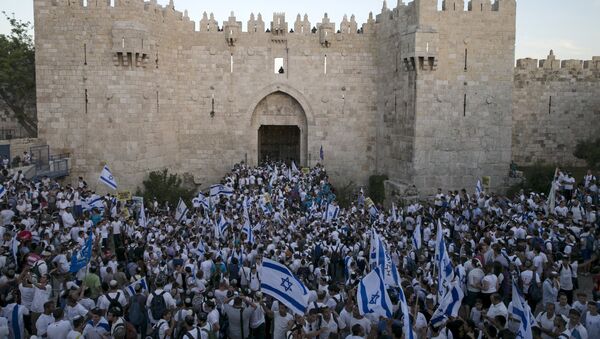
374,298
286,284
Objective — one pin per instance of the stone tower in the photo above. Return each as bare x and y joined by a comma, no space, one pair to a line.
416,93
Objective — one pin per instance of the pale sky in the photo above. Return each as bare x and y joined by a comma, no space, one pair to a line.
570,27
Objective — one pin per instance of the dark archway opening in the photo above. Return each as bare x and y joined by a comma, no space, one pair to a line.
279,143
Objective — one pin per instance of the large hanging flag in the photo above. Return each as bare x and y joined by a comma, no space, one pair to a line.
181,210
142,218
81,258
279,282
142,282
408,330
107,178
522,311
372,297
448,306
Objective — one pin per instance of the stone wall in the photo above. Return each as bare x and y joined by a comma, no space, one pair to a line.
136,86
456,87
556,104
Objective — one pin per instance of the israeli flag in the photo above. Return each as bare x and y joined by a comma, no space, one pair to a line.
273,177
373,211
522,311
2,191
201,200
416,238
377,252
279,282
394,213
372,297
445,268
223,226
294,168
201,248
449,305
142,218
265,206
107,178
405,314
81,258
247,229
392,277
131,288
92,202
181,210
331,212
14,249
478,188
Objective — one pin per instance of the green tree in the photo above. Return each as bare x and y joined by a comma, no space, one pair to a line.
17,73
588,151
165,186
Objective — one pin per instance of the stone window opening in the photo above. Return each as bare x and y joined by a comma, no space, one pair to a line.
123,42
157,103
156,60
85,54
85,3
278,66
112,3
481,7
86,100
466,58
550,105
231,63
465,105
325,64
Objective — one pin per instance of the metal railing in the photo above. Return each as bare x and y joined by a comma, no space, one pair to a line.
54,157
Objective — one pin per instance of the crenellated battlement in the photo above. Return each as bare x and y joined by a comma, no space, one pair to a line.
553,64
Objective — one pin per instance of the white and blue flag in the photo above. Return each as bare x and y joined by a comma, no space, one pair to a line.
448,306
223,226
2,191
131,288
522,312
373,211
14,249
392,277
218,190
408,330
294,168
247,229
478,188
81,258
377,252
279,282
416,238
445,268
107,178
92,202
201,248
331,212
142,218
181,210
372,297
201,200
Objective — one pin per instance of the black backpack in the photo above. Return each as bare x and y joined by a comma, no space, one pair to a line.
535,290
114,302
158,306
155,333
137,311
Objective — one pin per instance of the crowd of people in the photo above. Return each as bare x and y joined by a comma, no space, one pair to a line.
165,273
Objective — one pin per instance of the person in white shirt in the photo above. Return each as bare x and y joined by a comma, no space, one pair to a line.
592,320
160,293
76,331
497,308
45,319
115,294
574,325
18,312
61,328
545,321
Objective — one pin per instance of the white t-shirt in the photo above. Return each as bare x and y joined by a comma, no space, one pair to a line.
489,284
40,297
545,323
592,325
59,329
280,325
42,324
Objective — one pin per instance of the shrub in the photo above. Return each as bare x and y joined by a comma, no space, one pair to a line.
588,151
166,187
377,188
346,194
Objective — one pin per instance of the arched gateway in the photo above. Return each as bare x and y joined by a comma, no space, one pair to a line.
280,124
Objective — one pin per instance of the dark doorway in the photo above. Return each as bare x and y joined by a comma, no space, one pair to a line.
279,143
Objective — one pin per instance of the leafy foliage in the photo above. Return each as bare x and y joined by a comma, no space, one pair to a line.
17,72
166,187
346,194
377,188
588,151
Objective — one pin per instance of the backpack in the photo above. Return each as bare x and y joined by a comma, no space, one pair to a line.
158,306
155,333
136,312
131,332
209,334
535,291
113,302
